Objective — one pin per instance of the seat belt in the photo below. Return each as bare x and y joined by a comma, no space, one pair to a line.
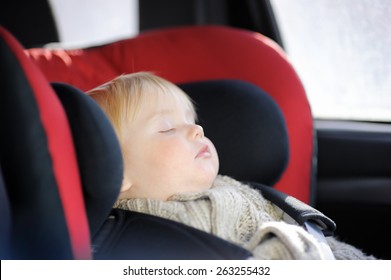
319,236
312,220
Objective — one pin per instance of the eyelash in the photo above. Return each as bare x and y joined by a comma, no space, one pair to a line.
167,130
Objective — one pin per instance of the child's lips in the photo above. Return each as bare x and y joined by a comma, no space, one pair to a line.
203,152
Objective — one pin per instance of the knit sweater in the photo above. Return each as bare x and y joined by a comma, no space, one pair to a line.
239,214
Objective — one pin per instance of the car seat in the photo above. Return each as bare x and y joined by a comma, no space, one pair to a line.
38,163
201,53
52,201
55,137
60,180
54,153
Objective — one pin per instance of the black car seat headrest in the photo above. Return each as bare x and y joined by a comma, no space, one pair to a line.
98,153
246,126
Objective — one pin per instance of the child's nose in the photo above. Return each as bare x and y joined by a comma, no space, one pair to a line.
196,131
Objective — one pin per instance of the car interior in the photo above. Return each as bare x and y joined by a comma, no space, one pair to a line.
59,153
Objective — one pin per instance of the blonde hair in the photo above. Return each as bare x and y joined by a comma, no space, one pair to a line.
122,97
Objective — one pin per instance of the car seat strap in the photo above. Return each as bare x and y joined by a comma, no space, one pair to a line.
319,236
312,220
299,211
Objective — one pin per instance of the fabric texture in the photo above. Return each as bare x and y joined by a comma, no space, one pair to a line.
239,214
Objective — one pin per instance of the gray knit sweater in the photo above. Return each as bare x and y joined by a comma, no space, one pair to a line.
239,214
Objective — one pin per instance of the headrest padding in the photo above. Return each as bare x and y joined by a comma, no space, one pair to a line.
98,153
246,126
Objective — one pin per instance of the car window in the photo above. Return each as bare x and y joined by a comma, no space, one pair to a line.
341,50
93,22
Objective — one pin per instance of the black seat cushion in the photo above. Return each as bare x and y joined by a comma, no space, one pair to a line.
131,235
246,126
98,153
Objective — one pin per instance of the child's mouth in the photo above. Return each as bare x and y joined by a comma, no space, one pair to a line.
204,152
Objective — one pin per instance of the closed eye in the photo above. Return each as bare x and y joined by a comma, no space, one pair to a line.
170,130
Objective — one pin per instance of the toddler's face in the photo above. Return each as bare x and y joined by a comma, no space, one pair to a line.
166,153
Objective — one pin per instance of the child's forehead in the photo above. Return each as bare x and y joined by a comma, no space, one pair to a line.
165,104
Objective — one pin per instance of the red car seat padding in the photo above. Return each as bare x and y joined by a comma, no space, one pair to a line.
39,163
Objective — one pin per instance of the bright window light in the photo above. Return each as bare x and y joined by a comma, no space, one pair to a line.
341,50
92,22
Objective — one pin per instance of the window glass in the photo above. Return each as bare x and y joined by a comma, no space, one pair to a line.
341,50
83,23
